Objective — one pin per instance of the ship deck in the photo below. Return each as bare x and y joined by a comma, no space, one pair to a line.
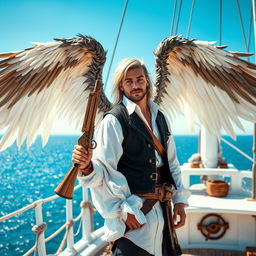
193,252
211,252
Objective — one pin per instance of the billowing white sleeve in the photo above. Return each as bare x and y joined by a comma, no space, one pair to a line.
109,137
181,194
109,188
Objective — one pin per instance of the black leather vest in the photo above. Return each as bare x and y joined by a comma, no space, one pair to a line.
138,161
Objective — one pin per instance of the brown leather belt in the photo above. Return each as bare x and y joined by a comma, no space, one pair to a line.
162,193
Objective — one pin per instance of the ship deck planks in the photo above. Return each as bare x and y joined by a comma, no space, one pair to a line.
193,252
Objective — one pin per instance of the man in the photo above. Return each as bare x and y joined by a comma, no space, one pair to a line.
124,168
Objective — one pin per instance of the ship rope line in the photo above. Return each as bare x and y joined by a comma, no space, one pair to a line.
220,24
242,25
250,29
64,240
190,18
116,42
67,225
83,206
232,146
178,17
237,149
173,16
246,42
38,230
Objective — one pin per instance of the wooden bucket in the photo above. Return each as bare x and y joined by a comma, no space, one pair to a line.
218,188
195,165
250,251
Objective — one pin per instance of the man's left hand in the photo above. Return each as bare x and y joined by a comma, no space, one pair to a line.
179,210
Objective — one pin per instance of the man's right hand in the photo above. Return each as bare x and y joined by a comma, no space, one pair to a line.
131,222
82,157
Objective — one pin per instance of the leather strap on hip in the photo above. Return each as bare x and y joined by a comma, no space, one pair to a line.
148,205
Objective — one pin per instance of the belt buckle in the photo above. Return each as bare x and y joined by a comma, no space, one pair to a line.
164,192
154,176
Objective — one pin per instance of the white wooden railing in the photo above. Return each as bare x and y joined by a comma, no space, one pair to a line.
236,176
91,241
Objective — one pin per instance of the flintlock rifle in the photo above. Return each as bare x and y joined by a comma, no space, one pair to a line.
66,187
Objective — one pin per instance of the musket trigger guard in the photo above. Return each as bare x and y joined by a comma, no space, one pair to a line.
94,144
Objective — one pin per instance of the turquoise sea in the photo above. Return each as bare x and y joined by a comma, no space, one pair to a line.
26,176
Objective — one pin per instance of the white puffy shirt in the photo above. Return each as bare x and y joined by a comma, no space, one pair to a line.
109,189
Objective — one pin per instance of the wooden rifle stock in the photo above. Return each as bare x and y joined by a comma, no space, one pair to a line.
66,187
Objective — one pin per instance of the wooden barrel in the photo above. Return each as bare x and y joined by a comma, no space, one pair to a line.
217,188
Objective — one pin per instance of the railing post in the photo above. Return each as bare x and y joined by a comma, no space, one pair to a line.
39,221
69,219
87,226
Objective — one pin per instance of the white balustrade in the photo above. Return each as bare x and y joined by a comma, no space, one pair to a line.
92,240
235,176
87,226
39,221
69,219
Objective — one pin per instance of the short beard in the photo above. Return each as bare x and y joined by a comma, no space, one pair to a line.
135,99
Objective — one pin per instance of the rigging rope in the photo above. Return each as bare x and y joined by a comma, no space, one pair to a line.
68,225
190,18
178,19
237,149
241,23
173,16
117,38
231,145
84,205
249,32
38,230
220,24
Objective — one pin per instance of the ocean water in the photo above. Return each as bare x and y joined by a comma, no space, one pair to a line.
28,175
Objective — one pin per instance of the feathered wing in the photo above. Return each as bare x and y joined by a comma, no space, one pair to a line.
207,83
40,84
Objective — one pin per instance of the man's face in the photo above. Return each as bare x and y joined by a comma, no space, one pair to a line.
135,84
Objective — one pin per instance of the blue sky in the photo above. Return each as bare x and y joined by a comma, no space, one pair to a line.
146,23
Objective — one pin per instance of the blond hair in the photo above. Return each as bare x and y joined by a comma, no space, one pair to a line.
120,73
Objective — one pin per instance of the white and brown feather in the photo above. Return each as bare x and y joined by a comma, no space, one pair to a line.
45,82
206,83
